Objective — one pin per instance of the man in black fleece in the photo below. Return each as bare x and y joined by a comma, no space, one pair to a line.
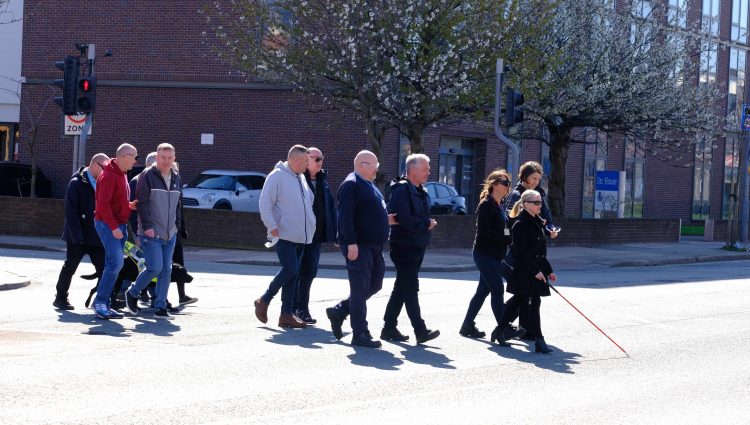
363,225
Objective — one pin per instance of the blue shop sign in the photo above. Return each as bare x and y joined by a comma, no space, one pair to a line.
608,181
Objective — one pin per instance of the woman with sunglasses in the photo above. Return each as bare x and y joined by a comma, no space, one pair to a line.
531,272
490,244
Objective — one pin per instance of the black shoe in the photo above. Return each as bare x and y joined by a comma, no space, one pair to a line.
131,304
304,316
337,319
427,335
541,347
497,336
172,310
63,305
471,331
392,334
528,337
117,304
187,300
144,298
162,314
363,340
510,332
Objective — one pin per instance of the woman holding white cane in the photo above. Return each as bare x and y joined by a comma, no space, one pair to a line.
530,268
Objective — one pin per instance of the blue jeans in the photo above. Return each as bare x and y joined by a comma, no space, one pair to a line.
307,272
113,260
158,255
490,282
290,257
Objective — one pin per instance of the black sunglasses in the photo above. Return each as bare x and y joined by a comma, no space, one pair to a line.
534,202
505,183
317,158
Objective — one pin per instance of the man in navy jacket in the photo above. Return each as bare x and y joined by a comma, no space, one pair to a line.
363,225
410,203
79,231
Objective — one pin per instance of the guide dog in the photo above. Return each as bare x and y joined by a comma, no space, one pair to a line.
130,272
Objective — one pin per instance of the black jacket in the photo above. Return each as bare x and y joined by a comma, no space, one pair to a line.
361,213
80,201
490,237
530,251
323,207
412,208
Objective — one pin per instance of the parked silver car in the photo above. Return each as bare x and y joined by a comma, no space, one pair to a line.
224,190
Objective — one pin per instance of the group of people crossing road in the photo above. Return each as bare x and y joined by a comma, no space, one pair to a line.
297,208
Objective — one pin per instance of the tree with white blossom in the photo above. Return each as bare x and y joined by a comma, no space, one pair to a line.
406,64
634,72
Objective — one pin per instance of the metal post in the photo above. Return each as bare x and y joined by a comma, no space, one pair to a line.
75,153
499,79
91,54
745,188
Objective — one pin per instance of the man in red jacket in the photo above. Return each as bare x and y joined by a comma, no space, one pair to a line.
110,220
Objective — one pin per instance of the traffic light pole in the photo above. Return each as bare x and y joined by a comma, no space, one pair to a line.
81,142
515,152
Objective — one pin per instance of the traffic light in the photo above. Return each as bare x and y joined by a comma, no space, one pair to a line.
86,97
69,84
513,111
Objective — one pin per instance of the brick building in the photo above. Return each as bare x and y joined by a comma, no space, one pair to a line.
164,84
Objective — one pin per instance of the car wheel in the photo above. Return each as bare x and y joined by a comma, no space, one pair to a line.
223,206
460,212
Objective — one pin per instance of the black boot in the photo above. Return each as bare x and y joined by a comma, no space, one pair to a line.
541,346
510,332
470,330
497,335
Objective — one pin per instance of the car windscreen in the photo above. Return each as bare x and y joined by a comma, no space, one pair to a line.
213,182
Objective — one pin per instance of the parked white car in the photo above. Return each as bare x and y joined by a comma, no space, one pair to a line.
224,190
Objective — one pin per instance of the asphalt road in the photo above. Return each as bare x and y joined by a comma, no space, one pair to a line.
686,329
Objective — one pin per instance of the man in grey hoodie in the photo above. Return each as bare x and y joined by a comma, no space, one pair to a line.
286,210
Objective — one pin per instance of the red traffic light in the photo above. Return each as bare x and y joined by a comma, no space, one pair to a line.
84,84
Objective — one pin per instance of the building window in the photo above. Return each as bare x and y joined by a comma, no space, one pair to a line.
735,97
634,177
730,194
710,21
595,159
456,166
708,64
739,21
677,14
546,167
702,180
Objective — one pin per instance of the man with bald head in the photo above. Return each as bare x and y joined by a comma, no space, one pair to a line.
79,232
111,218
363,225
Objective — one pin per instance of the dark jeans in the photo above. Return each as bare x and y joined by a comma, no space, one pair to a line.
307,272
408,261
528,307
73,257
365,280
490,282
290,257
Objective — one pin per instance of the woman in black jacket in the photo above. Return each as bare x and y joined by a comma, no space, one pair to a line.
490,244
531,270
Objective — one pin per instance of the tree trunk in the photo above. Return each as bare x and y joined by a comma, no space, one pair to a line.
558,156
375,135
414,131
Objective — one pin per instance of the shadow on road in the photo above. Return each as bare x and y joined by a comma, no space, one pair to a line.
309,337
558,361
374,357
157,327
421,355
98,326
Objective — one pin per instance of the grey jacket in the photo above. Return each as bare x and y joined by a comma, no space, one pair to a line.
286,204
158,206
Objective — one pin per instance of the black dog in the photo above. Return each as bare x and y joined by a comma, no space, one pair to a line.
130,272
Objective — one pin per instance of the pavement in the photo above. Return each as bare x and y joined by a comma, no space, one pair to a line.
689,250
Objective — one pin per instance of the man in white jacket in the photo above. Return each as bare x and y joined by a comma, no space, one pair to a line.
286,210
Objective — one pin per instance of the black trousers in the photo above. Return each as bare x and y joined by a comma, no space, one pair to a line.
73,257
528,308
408,261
